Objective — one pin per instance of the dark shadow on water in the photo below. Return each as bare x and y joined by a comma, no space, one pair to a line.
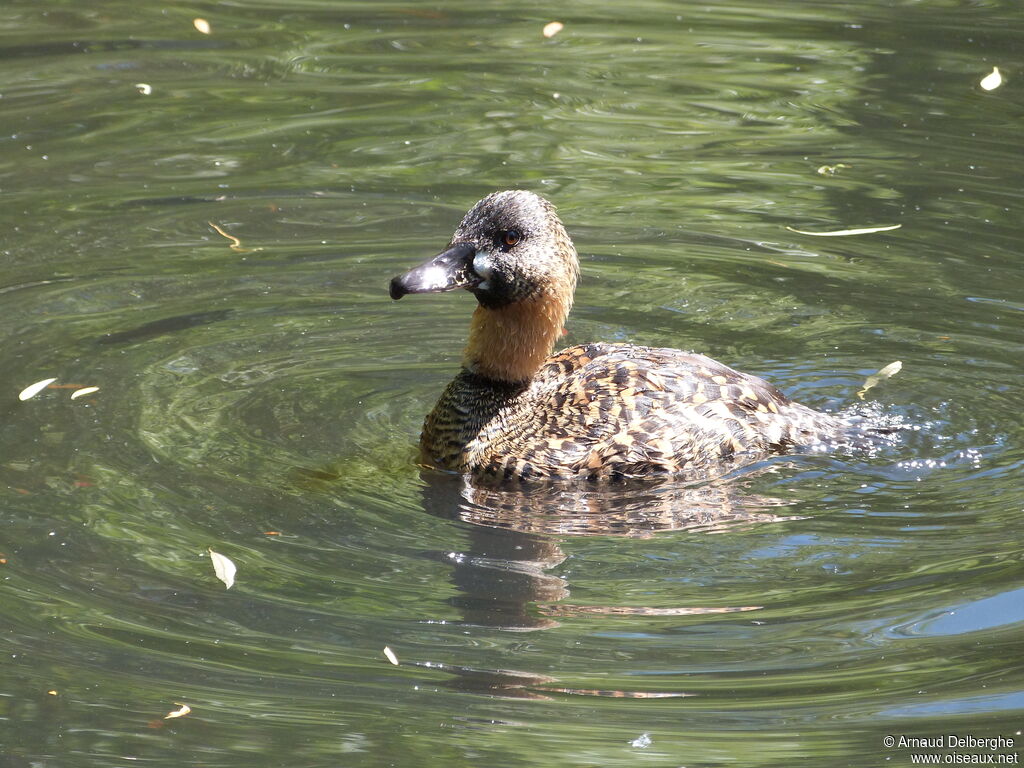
164,326
514,541
515,535
629,508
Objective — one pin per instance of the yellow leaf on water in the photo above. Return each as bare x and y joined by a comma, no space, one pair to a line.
992,80
34,389
390,656
202,25
846,232
83,391
831,170
887,372
552,28
224,568
184,710
236,244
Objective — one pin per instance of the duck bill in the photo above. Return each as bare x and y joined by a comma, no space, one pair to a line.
447,271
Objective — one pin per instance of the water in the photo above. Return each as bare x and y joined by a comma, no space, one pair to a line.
262,397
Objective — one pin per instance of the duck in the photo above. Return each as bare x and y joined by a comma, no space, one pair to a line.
516,411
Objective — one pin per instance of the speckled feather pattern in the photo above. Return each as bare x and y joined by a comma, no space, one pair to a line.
615,410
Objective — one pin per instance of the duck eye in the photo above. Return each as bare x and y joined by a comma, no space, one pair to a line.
511,237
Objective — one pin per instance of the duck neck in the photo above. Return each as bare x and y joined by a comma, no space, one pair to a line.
511,343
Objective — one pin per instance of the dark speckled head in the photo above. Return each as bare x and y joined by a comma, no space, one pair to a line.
511,246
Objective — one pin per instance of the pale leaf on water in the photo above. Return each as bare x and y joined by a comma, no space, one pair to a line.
201,25
83,391
846,232
224,568
643,741
183,710
34,389
552,28
144,88
390,656
887,372
992,80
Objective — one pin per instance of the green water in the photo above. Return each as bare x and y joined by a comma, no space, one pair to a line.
264,400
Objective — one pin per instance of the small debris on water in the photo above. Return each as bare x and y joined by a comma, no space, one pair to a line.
992,80
83,391
34,389
183,709
236,244
223,568
887,372
831,170
643,741
201,25
390,656
552,28
847,232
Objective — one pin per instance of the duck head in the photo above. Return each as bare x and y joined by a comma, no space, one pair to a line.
510,247
511,252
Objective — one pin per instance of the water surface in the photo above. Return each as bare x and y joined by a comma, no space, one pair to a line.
214,255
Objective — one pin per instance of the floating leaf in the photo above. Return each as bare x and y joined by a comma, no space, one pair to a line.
643,741
992,80
846,232
31,391
224,568
83,391
52,692
390,656
202,25
183,710
144,88
831,170
889,371
553,28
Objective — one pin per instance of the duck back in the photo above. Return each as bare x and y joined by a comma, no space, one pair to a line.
615,410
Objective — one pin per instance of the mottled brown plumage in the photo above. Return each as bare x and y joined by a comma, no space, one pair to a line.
597,410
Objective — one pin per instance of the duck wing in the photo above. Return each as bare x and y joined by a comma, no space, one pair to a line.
618,409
